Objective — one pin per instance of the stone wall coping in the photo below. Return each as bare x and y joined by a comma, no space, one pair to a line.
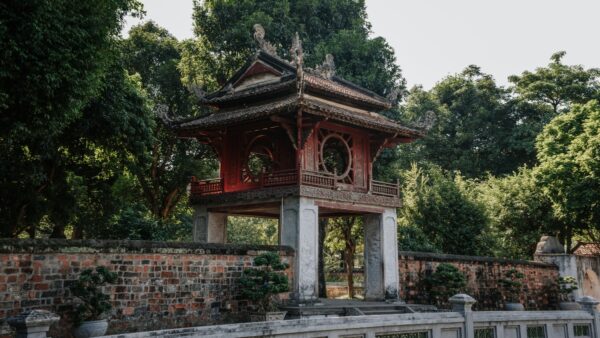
450,258
40,246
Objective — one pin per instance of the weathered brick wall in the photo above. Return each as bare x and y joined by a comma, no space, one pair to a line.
160,285
483,274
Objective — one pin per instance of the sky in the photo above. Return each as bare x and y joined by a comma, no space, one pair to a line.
435,38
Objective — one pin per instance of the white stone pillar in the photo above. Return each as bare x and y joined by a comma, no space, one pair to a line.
209,227
299,226
381,256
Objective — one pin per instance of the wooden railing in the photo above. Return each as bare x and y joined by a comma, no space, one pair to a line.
318,179
294,177
385,189
280,178
207,187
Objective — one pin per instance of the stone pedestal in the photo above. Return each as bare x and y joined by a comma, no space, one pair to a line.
299,228
33,323
381,256
209,227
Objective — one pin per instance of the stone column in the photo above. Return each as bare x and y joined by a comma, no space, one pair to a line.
33,323
300,229
381,256
590,304
463,303
209,227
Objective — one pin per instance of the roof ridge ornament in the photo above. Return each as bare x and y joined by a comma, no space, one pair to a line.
264,45
296,51
327,68
394,95
426,121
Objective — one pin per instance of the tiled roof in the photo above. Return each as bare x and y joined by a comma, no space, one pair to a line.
587,249
241,114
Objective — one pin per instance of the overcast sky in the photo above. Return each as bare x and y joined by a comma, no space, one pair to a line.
434,38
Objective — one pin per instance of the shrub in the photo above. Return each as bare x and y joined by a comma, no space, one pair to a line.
93,302
566,285
444,283
262,283
511,285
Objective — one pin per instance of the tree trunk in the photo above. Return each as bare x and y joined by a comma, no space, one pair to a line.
58,231
349,250
322,235
349,260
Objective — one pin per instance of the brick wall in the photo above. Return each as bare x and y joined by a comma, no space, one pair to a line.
160,285
483,274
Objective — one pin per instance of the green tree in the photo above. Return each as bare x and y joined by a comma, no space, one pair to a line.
252,230
53,57
518,210
569,169
164,170
345,234
224,30
477,127
437,205
558,85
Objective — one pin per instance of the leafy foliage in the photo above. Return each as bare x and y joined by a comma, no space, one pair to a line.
518,211
263,282
566,285
511,285
569,169
444,283
439,213
339,27
163,170
251,230
558,85
478,129
53,57
94,303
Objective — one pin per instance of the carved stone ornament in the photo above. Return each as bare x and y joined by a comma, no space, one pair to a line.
197,91
427,121
394,94
162,112
296,51
264,45
327,68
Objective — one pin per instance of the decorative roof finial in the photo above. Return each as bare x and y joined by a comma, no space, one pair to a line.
394,95
264,45
327,69
427,121
296,51
197,91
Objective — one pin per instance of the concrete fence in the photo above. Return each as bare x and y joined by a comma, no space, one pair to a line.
461,322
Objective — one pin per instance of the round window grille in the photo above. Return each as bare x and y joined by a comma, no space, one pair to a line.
259,159
336,156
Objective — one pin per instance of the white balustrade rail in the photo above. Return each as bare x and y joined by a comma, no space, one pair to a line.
462,322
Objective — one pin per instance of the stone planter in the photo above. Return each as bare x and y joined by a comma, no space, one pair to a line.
514,307
94,328
569,306
268,316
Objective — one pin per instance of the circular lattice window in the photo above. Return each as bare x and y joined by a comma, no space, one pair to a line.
259,159
336,155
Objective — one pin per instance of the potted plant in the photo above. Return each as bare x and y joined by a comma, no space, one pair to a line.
566,286
91,302
511,284
262,285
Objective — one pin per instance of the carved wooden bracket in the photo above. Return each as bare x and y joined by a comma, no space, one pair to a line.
287,125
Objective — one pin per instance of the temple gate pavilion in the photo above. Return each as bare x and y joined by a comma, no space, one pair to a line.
298,144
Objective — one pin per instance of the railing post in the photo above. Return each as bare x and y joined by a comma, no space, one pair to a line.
462,303
33,323
590,305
